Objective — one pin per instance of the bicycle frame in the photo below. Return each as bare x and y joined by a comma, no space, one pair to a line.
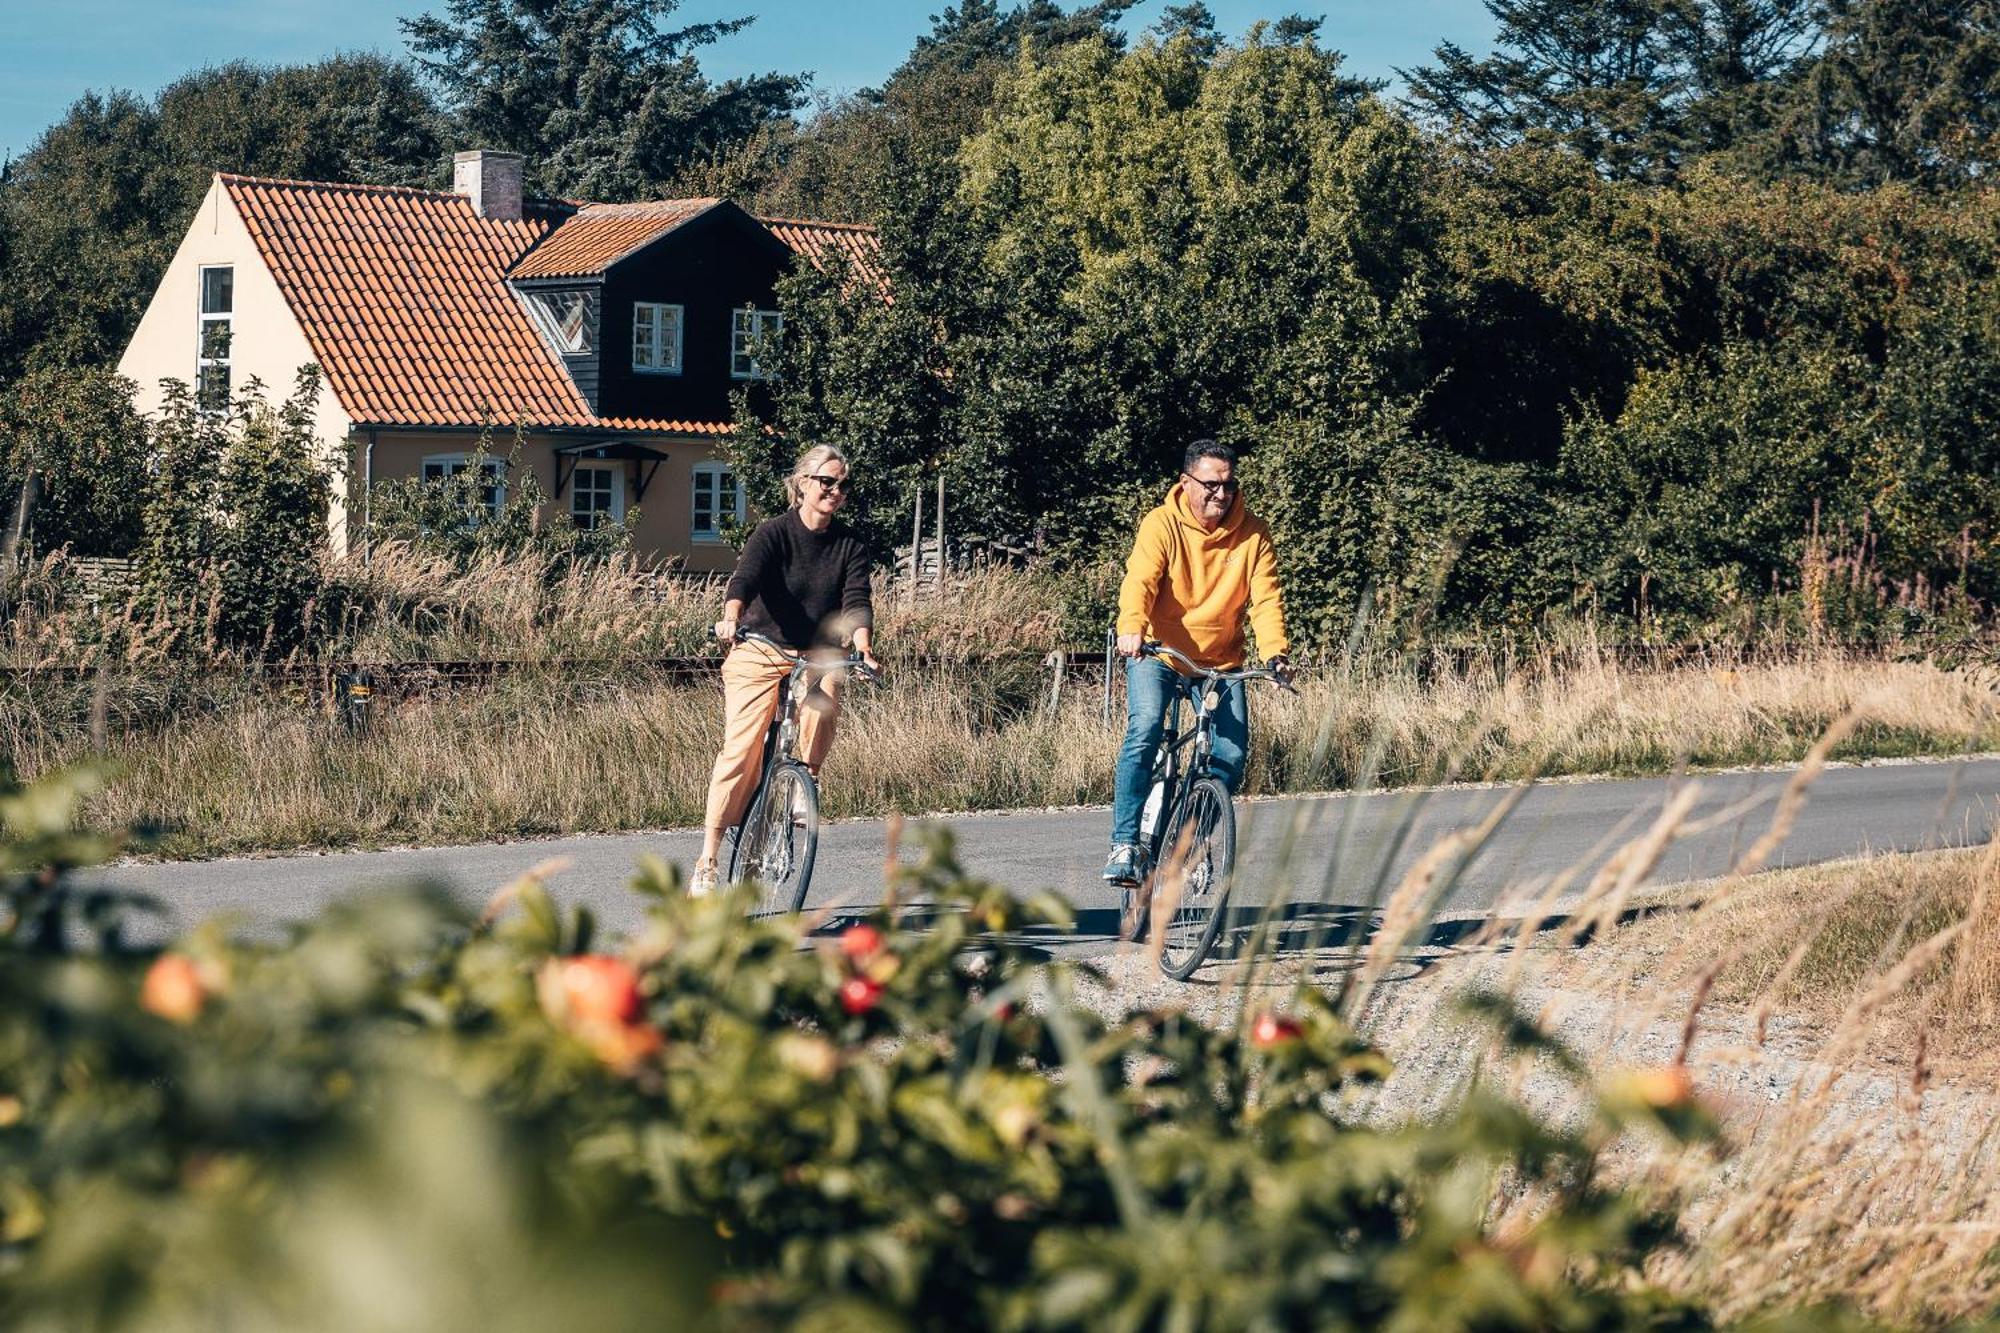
782,737
1201,728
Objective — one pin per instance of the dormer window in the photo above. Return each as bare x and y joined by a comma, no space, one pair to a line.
656,338
752,332
564,319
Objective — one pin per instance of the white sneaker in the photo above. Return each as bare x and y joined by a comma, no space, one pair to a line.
702,883
798,806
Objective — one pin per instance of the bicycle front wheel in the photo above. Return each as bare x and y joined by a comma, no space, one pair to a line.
779,839
1197,856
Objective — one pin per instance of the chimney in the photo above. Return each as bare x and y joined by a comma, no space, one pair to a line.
492,181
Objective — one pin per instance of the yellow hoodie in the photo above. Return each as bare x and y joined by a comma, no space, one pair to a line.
1187,587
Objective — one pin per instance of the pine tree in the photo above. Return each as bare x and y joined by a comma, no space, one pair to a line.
604,101
1632,86
1905,90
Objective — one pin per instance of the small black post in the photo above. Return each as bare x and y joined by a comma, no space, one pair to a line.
1110,650
356,699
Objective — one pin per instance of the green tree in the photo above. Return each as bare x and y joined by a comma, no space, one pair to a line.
274,490
1143,247
848,158
234,520
1905,90
72,453
1553,288
1706,486
92,213
180,507
1631,86
604,101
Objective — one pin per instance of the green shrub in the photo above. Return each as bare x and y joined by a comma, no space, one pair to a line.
460,517
911,1124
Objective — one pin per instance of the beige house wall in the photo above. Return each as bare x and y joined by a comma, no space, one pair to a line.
266,341
665,515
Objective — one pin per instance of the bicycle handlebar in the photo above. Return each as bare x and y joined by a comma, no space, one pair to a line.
1210,673
852,662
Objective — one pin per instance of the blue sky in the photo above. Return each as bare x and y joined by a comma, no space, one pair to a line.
52,51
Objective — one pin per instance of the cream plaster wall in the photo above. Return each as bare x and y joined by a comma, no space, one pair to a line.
265,338
666,513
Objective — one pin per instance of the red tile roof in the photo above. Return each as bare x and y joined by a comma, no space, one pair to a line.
403,295
602,234
860,245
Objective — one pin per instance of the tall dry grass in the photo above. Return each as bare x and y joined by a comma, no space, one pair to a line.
1840,1021
227,766
410,605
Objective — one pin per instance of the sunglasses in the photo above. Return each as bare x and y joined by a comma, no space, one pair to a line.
827,483
1227,486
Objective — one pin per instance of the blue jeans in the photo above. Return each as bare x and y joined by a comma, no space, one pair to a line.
1151,688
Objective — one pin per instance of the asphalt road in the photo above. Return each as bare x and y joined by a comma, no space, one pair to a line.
1329,852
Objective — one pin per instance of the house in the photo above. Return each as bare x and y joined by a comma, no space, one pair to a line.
611,334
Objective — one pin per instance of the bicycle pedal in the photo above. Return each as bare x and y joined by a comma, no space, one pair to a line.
1132,918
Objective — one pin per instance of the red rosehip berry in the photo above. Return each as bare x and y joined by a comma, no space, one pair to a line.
860,994
1271,1030
590,990
174,989
860,943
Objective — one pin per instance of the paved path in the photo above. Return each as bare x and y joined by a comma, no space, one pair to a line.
1336,850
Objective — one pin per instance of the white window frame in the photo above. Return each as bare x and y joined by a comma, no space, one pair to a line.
747,327
541,308
450,465
702,472
616,471
204,319
645,318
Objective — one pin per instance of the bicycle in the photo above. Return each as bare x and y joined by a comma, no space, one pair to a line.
778,837
1195,846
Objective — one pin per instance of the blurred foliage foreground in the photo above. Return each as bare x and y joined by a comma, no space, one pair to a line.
405,1117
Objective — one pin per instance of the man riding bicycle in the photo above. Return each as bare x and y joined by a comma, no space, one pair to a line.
1200,560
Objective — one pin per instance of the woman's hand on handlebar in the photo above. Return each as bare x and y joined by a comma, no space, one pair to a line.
1131,645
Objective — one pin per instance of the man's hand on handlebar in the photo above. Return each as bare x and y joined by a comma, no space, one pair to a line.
725,630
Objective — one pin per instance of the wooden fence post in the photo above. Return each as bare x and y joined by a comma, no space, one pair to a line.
917,546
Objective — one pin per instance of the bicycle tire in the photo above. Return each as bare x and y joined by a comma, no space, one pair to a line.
1205,821
734,863
778,841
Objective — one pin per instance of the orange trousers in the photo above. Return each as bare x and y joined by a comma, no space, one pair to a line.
753,683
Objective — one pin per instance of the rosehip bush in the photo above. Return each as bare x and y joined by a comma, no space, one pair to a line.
406,1117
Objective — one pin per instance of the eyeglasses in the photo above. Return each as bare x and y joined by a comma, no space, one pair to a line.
827,483
1227,486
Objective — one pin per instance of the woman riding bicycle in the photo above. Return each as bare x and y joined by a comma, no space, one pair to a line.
802,580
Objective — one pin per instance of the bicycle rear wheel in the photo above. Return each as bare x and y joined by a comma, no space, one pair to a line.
1196,858
778,839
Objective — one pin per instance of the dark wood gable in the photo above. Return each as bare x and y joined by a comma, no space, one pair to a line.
710,266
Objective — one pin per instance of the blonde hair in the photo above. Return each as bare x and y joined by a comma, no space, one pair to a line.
811,461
